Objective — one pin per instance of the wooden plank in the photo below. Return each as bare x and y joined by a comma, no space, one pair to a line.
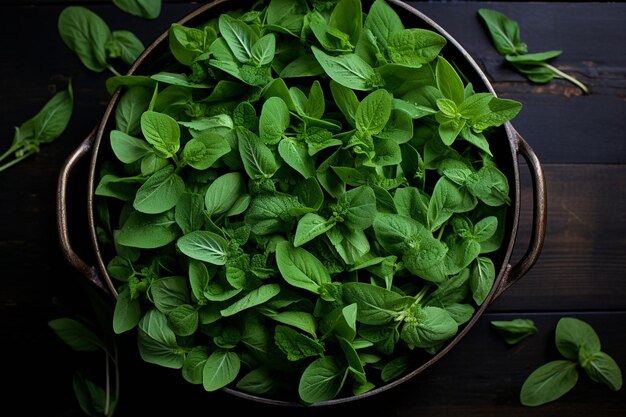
582,263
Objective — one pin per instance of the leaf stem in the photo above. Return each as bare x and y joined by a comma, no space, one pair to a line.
565,76
113,70
14,147
107,384
15,161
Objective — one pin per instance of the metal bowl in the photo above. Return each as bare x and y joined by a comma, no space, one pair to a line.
507,146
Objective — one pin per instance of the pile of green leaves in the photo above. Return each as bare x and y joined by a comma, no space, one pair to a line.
505,34
303,197
580,346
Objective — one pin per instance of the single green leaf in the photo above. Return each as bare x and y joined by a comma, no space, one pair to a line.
602,368
300,268
149,9
253,298
160,192
204,246
86,34
157,343
514,331
76,335
220,369
504,32
549,382
321,380
349,70
571,334
127,312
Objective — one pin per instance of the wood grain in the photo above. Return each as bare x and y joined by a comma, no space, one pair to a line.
579,140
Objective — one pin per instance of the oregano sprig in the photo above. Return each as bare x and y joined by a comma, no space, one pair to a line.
505,34
580,346
46,126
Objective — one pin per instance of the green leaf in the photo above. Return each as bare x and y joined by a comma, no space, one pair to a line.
224,192
602,368
490,186
373,112
168,293
149,9
76,335
296,345
157,342
160,192
321,380
535,58
203,151
549,382
127,312
86,34
394,368
258,381
274,120
298,319
349,70
162,132
383,21
430,327
148,231
414,47
91,398
204,246
449,82
125,45
361,203
310,226
448,198
183,320
295,154
129,110
220,369
189,212
481,279
254,298
263,50
269,214
258,160
239,37
193,367
376,305
346,100
504,32
514,331
300,268
571,334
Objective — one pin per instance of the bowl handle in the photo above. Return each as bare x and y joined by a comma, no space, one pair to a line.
90,272
538,230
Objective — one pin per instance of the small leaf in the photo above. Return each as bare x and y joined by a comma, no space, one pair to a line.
549,382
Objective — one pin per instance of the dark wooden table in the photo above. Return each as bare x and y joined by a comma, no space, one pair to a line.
579,139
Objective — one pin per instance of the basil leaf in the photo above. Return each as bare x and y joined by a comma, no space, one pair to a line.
602,368
300,268
149,9
571,334
348,70
549,382
514,331
321,380
204,246
86,34
220,369
157,343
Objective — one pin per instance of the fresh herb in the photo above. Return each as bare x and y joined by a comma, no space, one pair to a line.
514,331
301,198
81,335
580,346
45,127
90,38
505,34
149,9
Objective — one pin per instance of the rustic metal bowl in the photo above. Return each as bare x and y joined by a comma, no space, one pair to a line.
507,146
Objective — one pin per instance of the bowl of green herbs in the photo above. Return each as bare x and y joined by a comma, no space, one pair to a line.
304,202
